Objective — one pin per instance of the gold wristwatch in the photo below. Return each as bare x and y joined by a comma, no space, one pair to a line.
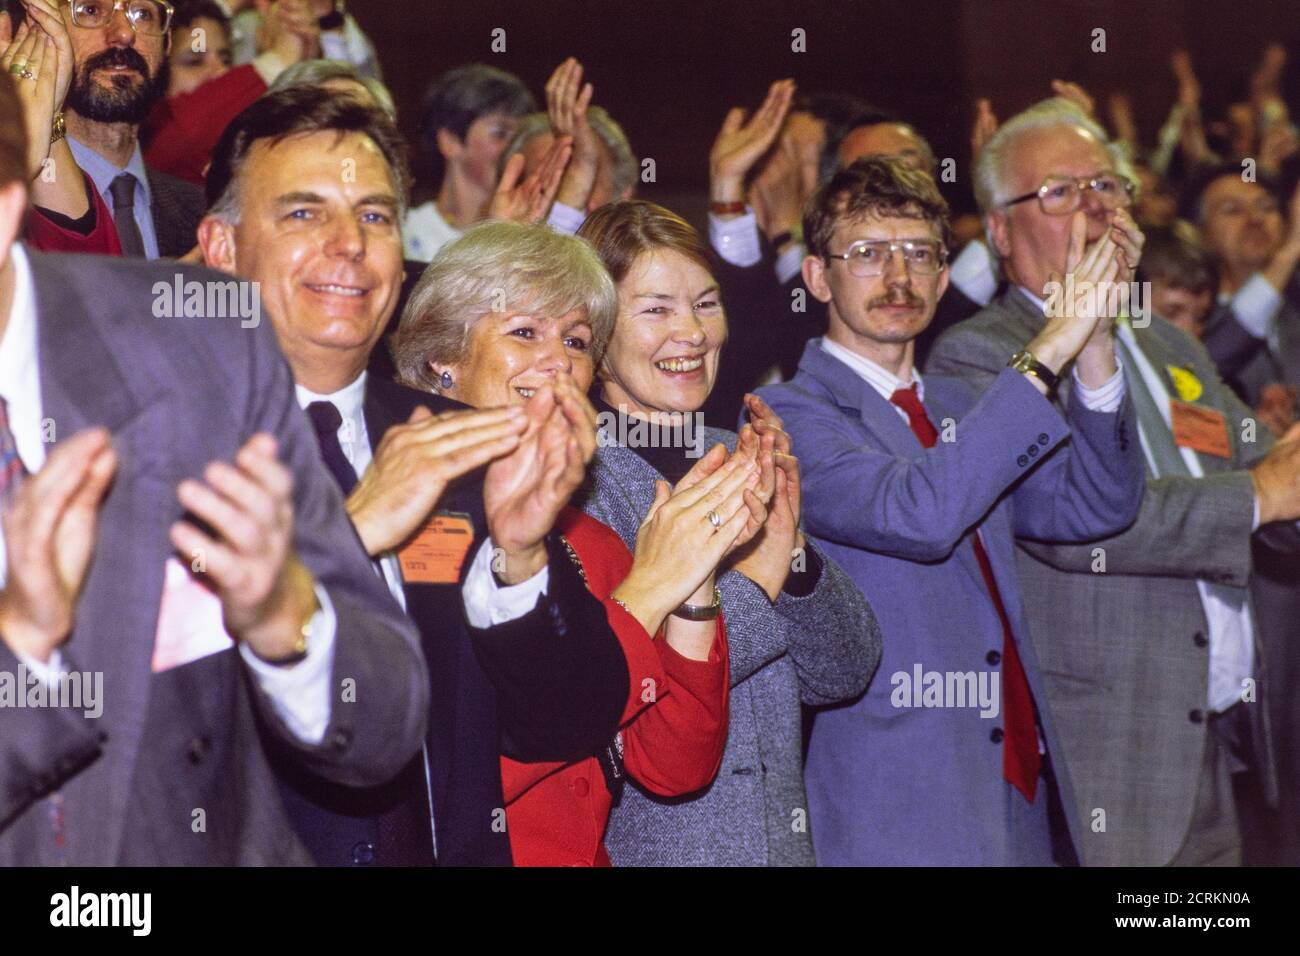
1024,361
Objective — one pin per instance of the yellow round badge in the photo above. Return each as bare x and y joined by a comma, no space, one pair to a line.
1185,382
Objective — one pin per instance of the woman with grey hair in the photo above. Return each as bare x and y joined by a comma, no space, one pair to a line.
516,314
800,632
333,75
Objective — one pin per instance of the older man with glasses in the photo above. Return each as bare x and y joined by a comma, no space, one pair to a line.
1147,639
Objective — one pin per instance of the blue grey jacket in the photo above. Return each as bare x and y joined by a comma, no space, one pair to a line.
896,778
816,650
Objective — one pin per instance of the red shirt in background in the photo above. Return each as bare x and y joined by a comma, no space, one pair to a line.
183,130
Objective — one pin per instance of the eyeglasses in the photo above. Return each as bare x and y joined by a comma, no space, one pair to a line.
923,257
150,17
1062,195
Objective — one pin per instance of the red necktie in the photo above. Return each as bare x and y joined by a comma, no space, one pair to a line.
1020,756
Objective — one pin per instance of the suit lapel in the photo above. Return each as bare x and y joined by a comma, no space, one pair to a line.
1162,355
857,398
82,385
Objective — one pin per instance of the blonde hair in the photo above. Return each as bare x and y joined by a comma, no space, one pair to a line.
499,267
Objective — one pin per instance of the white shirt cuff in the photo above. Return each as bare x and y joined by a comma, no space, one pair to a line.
565,219
488,603
46,671
1255,305
1106,397
972,273
300,693
790,262
736,240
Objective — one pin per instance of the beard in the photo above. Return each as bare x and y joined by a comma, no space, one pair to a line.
128,99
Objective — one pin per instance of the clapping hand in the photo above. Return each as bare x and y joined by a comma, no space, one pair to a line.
740,143
49,533
528,199
567,100
38,58
266,592
685,534
524,491
417,460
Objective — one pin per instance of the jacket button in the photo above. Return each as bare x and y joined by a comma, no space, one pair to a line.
198,749
1199,639
1196,716
995,735
341,740
1042,438
1033,450
1022,460
994,658
363,854
581,787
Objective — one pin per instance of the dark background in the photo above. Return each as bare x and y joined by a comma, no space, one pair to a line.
669,70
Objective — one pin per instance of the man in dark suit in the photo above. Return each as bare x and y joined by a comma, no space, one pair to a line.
540,676
180,589
118,73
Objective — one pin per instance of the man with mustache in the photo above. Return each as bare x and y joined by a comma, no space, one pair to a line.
119,71
916,488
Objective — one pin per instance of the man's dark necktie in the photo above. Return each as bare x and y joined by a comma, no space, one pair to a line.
128,233
1021,760
326,418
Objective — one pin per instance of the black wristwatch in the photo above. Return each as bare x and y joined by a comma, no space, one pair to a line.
1024,361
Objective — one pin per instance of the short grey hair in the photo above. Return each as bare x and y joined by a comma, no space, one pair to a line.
499,267
624,168
320,72
992,166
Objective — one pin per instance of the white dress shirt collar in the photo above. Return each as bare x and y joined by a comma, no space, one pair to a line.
20,377
881,379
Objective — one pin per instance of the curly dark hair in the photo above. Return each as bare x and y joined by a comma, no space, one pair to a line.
876,186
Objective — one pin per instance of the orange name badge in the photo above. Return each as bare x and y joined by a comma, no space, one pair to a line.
438,550
1201,429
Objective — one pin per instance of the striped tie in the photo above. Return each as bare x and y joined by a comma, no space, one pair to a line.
11,466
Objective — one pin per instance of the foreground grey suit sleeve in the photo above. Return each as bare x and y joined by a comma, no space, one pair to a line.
1186,527
379,686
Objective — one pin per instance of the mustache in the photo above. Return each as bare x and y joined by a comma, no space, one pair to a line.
900,297
117,56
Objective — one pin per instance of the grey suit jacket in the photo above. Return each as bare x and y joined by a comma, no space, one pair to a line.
818,649
178,208
1125,652
175,770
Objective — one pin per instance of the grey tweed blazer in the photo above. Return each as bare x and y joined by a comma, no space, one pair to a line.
1125,652
818,649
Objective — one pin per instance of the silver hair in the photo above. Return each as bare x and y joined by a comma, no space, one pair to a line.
499,267
320,72
992,166
624,168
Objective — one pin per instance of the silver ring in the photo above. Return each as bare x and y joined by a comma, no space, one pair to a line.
714,519
26,74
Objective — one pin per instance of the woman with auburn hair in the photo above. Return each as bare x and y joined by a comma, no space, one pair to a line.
513,314
798,629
